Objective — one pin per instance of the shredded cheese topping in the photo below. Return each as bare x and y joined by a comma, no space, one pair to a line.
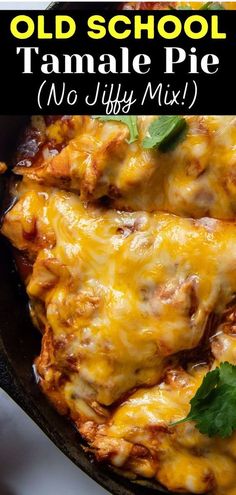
132,280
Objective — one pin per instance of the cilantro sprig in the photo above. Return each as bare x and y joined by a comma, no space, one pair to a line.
165,132
212,6
129,120
205,6
213,408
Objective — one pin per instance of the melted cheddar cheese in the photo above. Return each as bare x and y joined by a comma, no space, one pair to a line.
111,281
132,282
162,5
196,179
121,295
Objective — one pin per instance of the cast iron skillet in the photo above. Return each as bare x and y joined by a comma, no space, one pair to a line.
20,342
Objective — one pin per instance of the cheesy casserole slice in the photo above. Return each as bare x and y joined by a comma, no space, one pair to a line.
129,261
196,179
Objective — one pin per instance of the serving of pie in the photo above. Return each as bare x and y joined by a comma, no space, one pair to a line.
128,254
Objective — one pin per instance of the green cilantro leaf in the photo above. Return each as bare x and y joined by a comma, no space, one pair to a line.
165,132
213,408
206,6
212,6
129,120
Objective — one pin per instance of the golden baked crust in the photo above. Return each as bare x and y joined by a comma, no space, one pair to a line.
131,276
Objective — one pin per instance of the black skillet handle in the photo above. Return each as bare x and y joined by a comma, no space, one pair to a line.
10,126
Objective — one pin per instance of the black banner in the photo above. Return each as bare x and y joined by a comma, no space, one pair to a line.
182,64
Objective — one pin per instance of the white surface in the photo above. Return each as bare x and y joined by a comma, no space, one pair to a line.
23,5
29,462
